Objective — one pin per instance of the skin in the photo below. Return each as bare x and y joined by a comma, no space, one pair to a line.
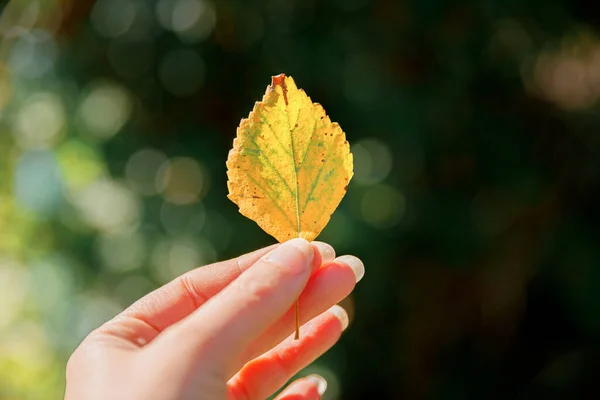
223,331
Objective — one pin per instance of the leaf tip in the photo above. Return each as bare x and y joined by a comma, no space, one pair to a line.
278,80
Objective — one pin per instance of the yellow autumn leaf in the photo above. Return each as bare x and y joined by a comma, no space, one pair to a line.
290,165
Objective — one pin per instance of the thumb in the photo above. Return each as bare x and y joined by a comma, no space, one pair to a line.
222,329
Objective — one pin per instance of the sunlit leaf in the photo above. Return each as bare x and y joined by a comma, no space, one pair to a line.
290,165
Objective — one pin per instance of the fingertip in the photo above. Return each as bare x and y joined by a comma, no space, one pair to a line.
319,382
310,388
296,254
326,250
341,314
355,263
302,245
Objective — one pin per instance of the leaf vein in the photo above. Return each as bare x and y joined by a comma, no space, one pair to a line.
275,203
308,146
331,146
266,122
298,221
270,164
327,202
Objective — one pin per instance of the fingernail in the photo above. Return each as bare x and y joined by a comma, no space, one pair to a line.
295,254
327,252
340,314
357,266
319,382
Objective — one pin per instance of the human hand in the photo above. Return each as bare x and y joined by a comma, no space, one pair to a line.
219,331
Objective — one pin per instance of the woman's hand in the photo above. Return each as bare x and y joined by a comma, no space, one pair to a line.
222,331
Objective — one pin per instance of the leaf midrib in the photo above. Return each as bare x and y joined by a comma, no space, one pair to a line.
298,222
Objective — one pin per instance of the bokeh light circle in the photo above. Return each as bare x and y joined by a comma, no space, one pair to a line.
372,161
121,252
141,170
105,109
382,206
191,20
108,206
182,180
40,121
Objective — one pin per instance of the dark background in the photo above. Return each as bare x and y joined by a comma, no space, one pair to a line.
476,135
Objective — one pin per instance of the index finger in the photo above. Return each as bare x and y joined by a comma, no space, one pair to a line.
153,313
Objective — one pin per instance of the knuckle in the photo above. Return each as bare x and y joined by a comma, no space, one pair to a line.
191,290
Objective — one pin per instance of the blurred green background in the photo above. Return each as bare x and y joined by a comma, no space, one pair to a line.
475,128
